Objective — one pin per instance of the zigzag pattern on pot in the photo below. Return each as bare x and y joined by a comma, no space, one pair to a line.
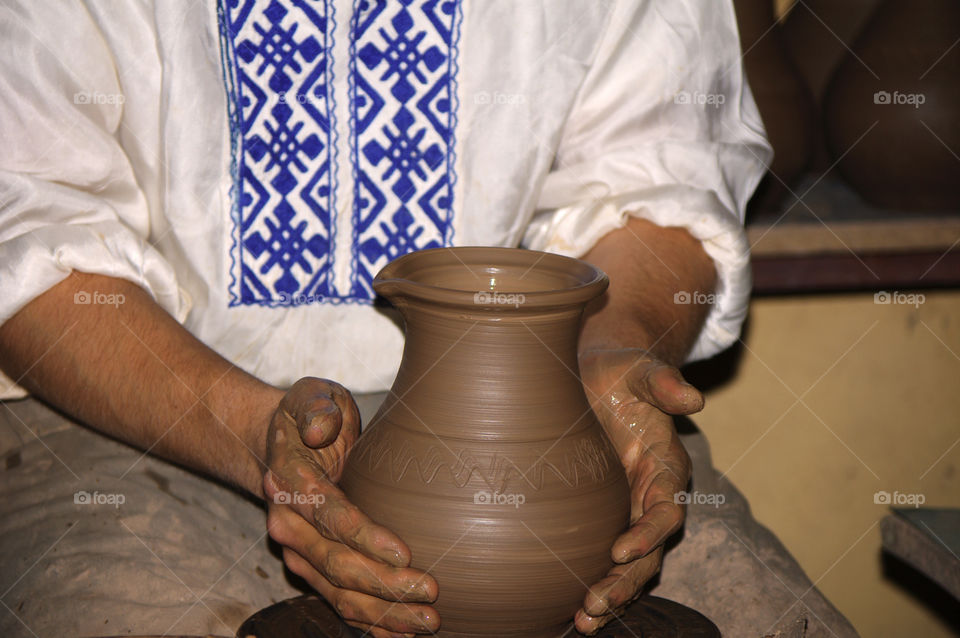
589,463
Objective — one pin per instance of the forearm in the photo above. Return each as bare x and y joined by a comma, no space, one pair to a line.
131,371
647,265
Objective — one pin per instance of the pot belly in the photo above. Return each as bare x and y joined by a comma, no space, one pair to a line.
513,536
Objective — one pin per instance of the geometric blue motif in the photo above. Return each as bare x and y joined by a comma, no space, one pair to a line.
277,58
278,73
403,70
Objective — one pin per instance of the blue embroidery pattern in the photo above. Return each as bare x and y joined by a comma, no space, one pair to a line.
403,115
277,58
279,74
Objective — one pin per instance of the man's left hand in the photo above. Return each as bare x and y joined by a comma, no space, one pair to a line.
634,395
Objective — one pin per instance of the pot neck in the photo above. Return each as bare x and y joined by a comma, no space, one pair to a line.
491,370
491,341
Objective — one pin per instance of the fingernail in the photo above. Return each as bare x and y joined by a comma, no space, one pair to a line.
588,619
418,590
321,413
427,622
623,556
392,557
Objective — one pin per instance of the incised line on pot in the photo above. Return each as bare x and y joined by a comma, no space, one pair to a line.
589,463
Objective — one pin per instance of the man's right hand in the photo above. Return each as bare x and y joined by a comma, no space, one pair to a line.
361,568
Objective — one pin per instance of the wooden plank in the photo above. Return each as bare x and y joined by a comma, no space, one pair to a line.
839,237
834,272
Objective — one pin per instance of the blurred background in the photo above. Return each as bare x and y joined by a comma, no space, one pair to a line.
842,399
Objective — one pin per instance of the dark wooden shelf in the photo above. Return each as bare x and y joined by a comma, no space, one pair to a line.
831,240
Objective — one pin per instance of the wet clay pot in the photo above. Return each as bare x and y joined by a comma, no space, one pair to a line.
486,457
892,111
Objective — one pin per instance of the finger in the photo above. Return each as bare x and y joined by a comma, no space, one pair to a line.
348,409
622,585
357,607
377,632
319,421
334,414
311,404
346,568
663,386
587,624
337,519
657,524
590,625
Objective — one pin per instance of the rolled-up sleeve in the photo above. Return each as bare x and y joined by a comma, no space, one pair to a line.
69,198
664,128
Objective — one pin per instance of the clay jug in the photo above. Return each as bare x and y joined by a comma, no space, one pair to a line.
783,100
486,458
892,110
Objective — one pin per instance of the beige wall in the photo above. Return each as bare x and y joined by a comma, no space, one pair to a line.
833,399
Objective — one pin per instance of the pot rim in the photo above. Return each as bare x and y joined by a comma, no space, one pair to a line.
397,279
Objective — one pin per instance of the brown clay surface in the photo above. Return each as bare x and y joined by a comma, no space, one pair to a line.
486,458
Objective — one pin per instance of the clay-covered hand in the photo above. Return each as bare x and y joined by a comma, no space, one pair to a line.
361,568
634,395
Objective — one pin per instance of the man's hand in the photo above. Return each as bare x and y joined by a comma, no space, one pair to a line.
133,372
361,568
631,341
633,395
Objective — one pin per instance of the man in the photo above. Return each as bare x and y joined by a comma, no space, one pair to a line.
196,197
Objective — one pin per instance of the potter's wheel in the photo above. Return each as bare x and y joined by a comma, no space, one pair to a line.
311,617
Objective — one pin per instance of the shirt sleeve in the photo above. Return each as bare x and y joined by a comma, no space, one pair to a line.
69,199
664,128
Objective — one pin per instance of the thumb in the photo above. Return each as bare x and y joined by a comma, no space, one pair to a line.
312,406
663,386
319,422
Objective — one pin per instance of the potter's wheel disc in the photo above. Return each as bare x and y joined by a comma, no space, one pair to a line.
652,617
312,617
